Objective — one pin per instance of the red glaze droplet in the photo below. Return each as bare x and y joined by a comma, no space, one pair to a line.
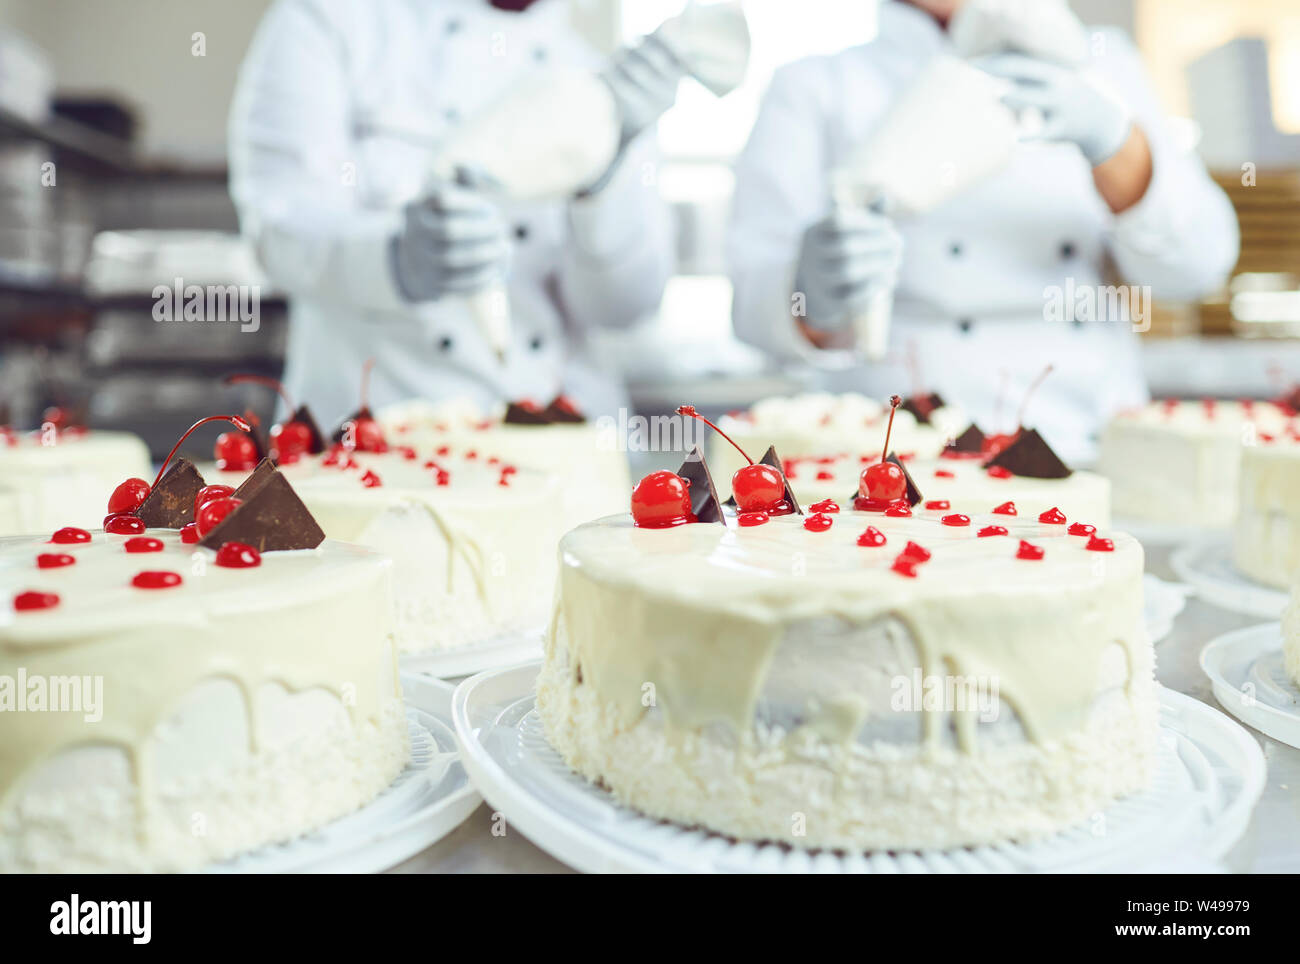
938,504
1028,550
871,537
898,510
408,453
54,560
143,544
943,474
1097,544
913,551
661,500
189,534
69,535
442,450
370,480
752,518
1052,516
905,565
238,555
822,476
1006,508
123,525
443,477
156,579
992,531
819,522
956,519
825,505
1082,529
128,496
471,454
32,600
998,472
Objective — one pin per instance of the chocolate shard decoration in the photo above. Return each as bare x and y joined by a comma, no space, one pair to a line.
260,441
970,441
921,406
771,458
704,496
170,504
913,490
272,518
1290,400
526,413
562,410
358,415
1031,457
260,475
303,415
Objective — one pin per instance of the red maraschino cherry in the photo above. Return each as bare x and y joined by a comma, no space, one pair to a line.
884,482
362,432
756,486
130,495
994,444
661,500
213,512
290,440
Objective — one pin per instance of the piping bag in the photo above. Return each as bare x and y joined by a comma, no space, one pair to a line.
560,131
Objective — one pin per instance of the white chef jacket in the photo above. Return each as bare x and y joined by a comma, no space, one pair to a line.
339,109
971,295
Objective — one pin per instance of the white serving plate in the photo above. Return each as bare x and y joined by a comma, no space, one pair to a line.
1205,564
1245,668
1210,774
505,650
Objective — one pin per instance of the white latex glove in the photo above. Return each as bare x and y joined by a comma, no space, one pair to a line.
1073,109
644,80
451,242
843,259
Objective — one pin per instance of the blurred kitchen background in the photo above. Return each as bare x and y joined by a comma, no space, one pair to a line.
112,93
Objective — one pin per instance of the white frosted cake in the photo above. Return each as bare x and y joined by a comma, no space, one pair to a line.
849,679
57,478
1266,536
189,710
1177,462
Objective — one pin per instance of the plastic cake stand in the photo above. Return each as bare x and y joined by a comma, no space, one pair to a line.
430,798
1206,565
508,649
1245,668
1209,775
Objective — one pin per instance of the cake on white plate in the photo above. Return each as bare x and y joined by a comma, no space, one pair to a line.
1178,462
1266,535
586,455
848,679
58,474
170,703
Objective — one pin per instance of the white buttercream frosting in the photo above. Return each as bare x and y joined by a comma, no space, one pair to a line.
1266,536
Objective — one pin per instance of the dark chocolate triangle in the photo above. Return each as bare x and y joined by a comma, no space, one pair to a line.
705,503
526,413
1291,399
260,441
771,458
1031,457
256,479
562,410
913,491
303,415
971,441
271,518
922,406
170,504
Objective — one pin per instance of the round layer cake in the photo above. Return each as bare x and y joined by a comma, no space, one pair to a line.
586,456
1177,462
219,709
919,685
55,478
1266,537
472,537
957,485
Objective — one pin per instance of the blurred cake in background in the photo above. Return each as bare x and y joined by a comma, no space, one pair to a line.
1266,536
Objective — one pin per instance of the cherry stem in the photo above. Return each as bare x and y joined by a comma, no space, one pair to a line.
1024,403
234,420
365,383
689,410
263,380
894,402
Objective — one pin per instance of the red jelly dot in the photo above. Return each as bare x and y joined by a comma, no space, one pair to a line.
408,453
509,469
752,518
143,544
26,601
442,450
819,522
123,525
956,519
899,510
444,477
998,472
822,476
1081,529
825,505
238,555
505,479
918,553
156,579
69,535
1097,544
471,454
992,531
189,534
938,504
54,560
1028,550
943,474
1006,508
905,565
370,480
1053,516
871,536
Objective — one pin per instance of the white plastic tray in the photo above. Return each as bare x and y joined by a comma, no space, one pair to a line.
1206,565
509,649
1161,603
1210,774
1246,670
429,799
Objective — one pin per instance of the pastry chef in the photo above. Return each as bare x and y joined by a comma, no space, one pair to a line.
337,115
1100,183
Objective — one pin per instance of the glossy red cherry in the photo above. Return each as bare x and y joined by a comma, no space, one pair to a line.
54,560
69,535
156,579
213,512
235,452
818,522
128,496
1081,529
291,441
938,504
756,486
32,600
992,531
956,519
871,537
882,482
1097,544
1052,516
660,500
189,534
210,492
123,525
238,555
913,551
1006,508
749,519
368,436
1027,550
825,505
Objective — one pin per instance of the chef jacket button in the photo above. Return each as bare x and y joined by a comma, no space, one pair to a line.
521,232
453,26
955,249
965,324
445,343
1067,250
535,343
540,54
